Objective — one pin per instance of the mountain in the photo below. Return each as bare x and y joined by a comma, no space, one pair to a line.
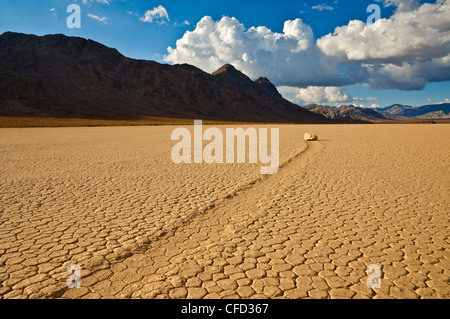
432,111
69,77
346,112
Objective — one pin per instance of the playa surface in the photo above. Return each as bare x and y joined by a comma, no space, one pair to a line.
110,200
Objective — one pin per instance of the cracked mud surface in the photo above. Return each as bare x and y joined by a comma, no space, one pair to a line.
111,201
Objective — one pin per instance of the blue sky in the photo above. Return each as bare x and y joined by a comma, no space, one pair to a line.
120,24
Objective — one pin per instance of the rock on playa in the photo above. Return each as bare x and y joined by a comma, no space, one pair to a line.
310,137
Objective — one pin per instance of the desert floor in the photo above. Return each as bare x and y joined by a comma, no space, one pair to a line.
110,200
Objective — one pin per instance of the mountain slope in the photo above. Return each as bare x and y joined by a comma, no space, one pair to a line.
346,112
68,77
432,111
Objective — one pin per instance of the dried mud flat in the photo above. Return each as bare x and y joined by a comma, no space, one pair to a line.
111,201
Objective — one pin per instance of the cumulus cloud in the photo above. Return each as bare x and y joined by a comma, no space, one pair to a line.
287,58
405,51
320,94
421,33
158,14
99,19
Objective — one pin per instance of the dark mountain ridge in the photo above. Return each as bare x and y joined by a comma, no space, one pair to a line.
70,77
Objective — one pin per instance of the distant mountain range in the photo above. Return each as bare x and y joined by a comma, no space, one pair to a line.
433,111
68,77
347,112
394,112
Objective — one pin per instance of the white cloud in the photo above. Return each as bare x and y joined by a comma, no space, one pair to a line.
374,106
366,99
287,58
185,23
317,94
422,33
132,13
158,14
405,52
99,19
408,75
447,100
320,94
322,7
402,5
53,11
99,1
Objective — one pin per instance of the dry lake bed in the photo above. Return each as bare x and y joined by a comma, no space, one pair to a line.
110,202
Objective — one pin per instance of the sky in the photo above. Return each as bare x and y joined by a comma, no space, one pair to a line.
336,52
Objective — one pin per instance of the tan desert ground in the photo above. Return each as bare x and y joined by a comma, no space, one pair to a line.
110,200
